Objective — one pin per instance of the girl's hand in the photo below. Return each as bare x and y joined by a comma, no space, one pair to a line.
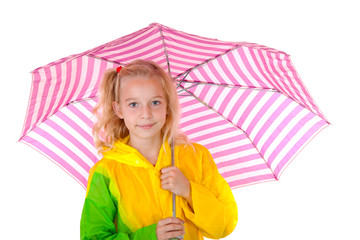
169,228
173,179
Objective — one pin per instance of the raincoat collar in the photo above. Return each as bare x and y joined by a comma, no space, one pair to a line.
122,152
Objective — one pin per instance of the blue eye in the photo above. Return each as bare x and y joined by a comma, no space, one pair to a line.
155,103
132,105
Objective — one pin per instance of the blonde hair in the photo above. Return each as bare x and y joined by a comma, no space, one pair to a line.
109,127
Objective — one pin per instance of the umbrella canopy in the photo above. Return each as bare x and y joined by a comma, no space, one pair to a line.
243,101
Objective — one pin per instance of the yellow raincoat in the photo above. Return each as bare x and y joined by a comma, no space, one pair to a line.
124,198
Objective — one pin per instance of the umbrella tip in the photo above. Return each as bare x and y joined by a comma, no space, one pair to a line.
154,24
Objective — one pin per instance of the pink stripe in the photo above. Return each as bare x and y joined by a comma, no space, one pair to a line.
205,127
271,80
150,52
279,129
238,160
189,103
215,97
232,150
68,70
193,111
77,77
44,97
306,92
195,38
88,78
202,120
103,67
238,104
251,180
215,72
300,144
271,119
63,148
76,127
204,92
228,74
54,157
261,113
250,68
186,62
227,99
130,43
32,102
157,44
290,135
272,60
237,68
72,140
250,107
241,136
184,51
290,81
245,170
201,48
81,115
222,142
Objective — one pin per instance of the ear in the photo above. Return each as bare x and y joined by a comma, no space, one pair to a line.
117,110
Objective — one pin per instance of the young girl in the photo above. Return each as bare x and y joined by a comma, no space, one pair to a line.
129,193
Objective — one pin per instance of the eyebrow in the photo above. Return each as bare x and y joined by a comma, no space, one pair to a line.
134,99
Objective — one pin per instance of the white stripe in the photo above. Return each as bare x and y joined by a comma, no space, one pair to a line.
243,68
221,72
90,148
255,110
248,175
206,131
267,115
275,124
242,165
229,146
220,99
233,71
82,80
243,107
200,124
38,97
232,102
220,137
290,144
59,153
293,122
68,144
132,44
255,68
237,155
211,44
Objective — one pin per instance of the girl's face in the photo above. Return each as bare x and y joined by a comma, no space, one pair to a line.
143,107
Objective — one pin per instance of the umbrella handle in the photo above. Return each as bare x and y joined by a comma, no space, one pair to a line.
173,195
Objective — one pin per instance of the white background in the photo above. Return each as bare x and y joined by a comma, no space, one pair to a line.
317,196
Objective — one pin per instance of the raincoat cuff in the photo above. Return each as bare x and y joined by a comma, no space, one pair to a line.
205,210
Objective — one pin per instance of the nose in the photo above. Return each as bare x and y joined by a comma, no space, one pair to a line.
145,112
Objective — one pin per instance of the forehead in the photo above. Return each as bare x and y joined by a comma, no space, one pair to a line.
141,87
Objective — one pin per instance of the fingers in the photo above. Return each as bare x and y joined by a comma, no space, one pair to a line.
170,228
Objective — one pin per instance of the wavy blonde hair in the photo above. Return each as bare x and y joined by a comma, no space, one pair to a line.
109,127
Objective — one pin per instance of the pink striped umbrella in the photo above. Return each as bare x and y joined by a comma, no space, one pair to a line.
243,101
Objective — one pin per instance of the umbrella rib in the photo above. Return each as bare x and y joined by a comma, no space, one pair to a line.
209,60
165,50
102,59
211,108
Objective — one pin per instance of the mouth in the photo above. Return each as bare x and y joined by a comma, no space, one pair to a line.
146,126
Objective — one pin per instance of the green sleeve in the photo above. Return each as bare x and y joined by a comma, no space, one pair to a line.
99,212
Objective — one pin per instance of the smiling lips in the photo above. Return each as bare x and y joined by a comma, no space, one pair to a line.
147,126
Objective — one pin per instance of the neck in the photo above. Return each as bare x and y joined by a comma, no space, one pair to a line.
149,148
